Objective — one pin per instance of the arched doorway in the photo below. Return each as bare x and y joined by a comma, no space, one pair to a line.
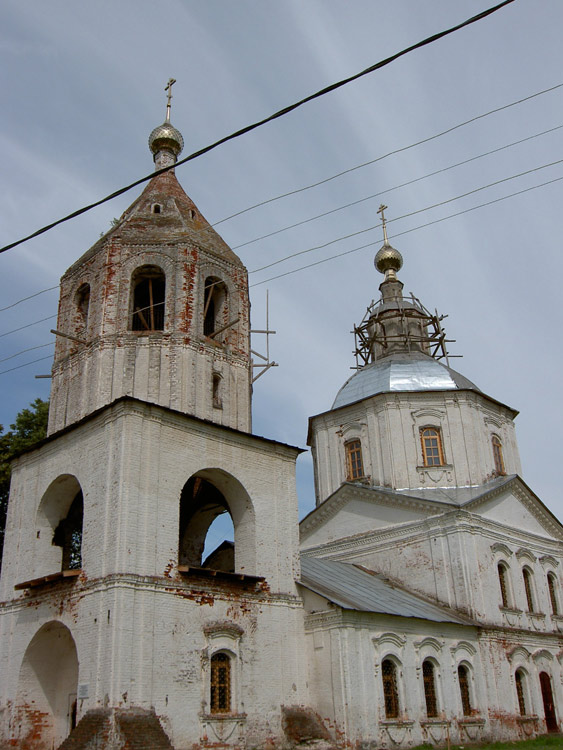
46,698
208,497
548,704
58,544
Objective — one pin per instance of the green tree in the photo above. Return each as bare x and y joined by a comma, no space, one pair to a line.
29,428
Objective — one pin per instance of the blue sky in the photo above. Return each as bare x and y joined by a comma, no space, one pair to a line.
83,86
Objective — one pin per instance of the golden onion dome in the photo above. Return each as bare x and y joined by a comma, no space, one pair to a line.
166,136
388,259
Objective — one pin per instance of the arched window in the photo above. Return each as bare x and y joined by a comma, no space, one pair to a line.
216,391
390,692
429,681
463,678
432,453
354,462
83,304
497,456
520,680
527,576
552,588
220,702
214,305
503,582
68,535
148,289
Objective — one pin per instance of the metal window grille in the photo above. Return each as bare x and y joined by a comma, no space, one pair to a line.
527,576
497,455
503,585
519,679
429,689
432,453
463,677
220,684
354,463
390,693
552,594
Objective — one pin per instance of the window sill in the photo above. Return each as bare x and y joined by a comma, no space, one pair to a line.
219,577
424,467
397,722
63,575
471,721
435,721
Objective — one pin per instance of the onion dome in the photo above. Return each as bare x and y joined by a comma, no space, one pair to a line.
388,261
166,137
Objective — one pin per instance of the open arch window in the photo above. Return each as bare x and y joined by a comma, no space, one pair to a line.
354,461
552,588
83,304
497,456
503,583
148,289
463,679
220,699
68,535
390,691
429,680
216,390
432,451
520,680
527,576
214,305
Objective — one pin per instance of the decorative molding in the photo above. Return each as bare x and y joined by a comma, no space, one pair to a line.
466,646
429,642
435,473
419,414
501,548
542,653
548,561
223,627
493,421
389,638
525,554
518,653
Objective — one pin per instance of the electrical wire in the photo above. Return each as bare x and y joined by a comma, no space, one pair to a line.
404,216
30,349
396,187
35,322
407,231
18,367
31,296
270,118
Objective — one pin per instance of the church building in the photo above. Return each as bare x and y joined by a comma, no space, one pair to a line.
420,601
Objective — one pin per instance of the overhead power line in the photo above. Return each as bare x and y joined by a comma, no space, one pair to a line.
405,216
407,231
395,187
259,123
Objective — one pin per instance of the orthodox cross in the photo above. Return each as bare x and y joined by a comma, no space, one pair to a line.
168,89
380,210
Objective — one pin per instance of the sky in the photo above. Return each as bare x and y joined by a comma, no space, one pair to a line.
83,86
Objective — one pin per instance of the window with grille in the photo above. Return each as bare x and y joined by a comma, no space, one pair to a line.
502,579
497,455
463,678
527,576
354,463
432,453
519,679
552,588
390,692
220,684
148,286
429,680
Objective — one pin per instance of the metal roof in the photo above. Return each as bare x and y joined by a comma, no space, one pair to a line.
455,495
401,372
354,588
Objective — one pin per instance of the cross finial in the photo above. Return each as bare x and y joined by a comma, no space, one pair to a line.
380,210
168,89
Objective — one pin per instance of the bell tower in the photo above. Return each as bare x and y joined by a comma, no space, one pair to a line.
157,309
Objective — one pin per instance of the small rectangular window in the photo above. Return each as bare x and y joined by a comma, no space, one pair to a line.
354,462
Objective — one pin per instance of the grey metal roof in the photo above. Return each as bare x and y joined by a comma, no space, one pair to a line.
401,372
456,495
351,587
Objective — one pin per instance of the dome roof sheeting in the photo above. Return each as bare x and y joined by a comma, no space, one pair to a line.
400,373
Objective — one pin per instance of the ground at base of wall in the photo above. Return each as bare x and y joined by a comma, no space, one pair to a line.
544,742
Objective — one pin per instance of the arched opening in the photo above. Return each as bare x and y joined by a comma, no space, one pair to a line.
464,689
429,680
214,305
548,703
497,456
83,305
148,290
527,576
45,711
390,690
520,680
58,539
552,588
214,507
